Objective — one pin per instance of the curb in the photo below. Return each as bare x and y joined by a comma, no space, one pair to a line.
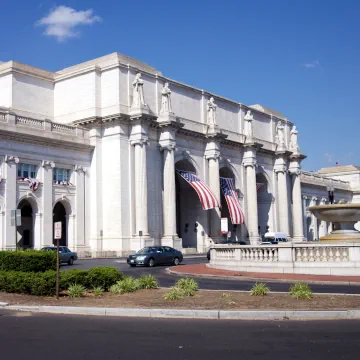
193,314
245,278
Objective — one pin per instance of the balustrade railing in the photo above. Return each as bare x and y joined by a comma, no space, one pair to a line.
29,122
321,254
63,128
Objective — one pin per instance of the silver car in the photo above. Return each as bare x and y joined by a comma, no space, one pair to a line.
66,255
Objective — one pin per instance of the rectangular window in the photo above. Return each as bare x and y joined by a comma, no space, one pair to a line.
61,174
27,171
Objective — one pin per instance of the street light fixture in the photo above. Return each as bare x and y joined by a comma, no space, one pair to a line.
330,190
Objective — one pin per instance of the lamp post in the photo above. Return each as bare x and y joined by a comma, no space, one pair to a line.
330,190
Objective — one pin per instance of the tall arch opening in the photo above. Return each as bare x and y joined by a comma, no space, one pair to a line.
59,214
264,202
190,217
25,239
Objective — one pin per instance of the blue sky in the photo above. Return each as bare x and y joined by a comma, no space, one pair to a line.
298,57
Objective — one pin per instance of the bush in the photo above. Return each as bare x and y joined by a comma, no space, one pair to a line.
174,293
39,284
259,290
103,277
301,291
28,260
76,290
75,276
147,282
188,286
98,291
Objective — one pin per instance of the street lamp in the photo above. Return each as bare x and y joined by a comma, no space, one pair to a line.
330,190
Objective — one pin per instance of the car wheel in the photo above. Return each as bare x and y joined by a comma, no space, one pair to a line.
71,261
176,261
151,262
132,265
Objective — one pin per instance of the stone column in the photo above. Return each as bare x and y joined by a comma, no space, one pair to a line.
10,200
47,202
297,206
249,162
37,234
80,206
282,194
314,220
70,227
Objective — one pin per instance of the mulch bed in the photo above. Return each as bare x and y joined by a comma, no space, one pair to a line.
202,300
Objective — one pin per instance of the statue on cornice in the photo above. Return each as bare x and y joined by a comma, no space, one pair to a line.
294,139
138,92
248,124
166,100
211,112
280,135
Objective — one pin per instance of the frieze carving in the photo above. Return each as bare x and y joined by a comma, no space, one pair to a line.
11,158
47,164
79,168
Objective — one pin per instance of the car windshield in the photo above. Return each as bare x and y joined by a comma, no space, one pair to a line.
146,250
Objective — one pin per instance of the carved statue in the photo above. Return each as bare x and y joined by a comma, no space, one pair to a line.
280,133
211,109
138,92
165,100
294,138
248,124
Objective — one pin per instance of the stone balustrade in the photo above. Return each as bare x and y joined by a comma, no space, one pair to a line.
21,120
63,128
293,258
317,179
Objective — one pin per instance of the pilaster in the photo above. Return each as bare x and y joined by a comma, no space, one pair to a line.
80,205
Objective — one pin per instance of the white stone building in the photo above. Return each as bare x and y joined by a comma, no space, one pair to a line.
102,143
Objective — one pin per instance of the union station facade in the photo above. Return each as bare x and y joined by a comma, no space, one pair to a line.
97,146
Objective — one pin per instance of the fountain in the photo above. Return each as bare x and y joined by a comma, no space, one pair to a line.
343,218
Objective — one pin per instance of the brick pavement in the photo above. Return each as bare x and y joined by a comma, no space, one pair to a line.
203,270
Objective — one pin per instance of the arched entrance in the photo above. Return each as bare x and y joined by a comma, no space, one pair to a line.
264,202
25,237
190,217
234,229
59,214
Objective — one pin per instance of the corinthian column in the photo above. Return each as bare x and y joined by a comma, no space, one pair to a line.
249,162
297,206
282,194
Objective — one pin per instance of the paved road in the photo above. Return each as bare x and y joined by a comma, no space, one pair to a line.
167,280
55,337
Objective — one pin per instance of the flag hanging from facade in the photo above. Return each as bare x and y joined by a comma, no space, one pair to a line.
259,186
232,200
207,197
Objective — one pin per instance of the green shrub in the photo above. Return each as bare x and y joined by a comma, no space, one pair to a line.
74,276
103,277
28,261
174,293
116,288
147,282
76,290
188,286
127,285
259,290
301,291
98,291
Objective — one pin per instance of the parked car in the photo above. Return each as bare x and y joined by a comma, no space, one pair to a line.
232,242
273,238
65,254
155,255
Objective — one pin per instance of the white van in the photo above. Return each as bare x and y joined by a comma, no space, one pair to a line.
274,238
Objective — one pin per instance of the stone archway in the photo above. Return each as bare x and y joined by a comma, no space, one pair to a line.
264,204
25,237
190,217
234,229
61,213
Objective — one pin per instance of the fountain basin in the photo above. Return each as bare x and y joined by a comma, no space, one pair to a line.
343,217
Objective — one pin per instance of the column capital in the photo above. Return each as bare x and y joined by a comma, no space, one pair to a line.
294,172
280,168
79,169
139,141
167,145
11,159
249,162
47,164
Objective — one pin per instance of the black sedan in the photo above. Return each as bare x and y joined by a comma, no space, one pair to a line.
155,255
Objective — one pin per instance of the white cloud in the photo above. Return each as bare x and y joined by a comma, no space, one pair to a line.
63,21
312,64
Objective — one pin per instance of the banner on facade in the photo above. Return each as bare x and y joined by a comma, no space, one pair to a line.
33,183
232,200
207,197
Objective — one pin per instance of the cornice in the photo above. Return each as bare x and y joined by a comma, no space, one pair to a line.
13,67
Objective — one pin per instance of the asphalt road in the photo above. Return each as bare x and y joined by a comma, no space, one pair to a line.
55,337
167,280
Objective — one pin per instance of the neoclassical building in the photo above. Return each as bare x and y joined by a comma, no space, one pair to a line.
101,146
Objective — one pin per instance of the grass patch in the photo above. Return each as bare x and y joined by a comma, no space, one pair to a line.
147,282
301,291
76,290
174,293
259,289
127,285
188,286
98,291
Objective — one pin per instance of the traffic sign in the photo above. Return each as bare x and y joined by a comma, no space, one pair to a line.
57,230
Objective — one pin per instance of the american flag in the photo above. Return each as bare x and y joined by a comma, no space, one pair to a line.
207,198
232,200
259,186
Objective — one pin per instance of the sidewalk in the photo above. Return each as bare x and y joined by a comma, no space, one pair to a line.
205,271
